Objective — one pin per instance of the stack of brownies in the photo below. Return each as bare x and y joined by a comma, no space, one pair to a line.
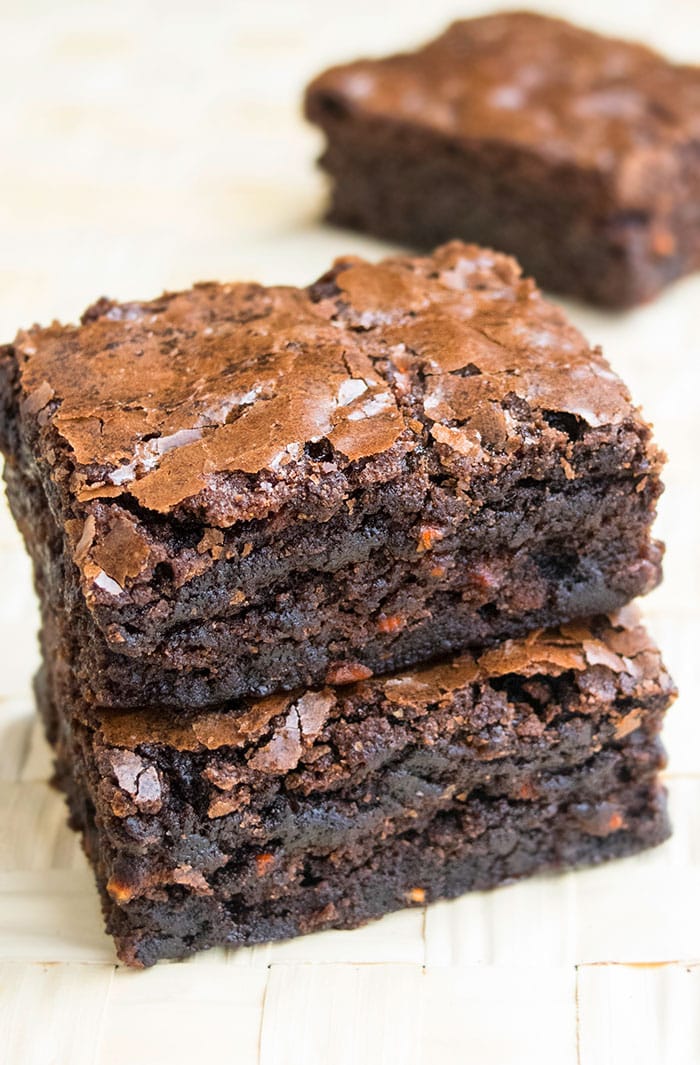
331,582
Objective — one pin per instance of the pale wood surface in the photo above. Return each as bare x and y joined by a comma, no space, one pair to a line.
149,145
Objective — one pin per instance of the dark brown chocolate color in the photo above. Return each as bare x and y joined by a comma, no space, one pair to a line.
235,490
325,808
577,153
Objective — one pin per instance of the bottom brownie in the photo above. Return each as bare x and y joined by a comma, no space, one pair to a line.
325,809
487,844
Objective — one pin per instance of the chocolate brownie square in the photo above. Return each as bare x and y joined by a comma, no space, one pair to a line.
325,808
577,153
236,490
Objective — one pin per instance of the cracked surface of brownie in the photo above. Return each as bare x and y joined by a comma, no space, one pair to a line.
235,490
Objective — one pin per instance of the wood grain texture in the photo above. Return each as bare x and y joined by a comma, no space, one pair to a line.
148,146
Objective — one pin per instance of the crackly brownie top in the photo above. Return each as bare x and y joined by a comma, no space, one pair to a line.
330,734
223,401
525,79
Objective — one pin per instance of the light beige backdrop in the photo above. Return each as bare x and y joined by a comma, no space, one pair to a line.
149,145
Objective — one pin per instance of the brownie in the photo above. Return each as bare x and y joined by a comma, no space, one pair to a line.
579,154
324,808
237,490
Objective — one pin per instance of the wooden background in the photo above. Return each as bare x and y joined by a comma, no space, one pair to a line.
150,144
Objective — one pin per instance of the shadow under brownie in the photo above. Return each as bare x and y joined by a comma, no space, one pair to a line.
236,490
323,809
577,153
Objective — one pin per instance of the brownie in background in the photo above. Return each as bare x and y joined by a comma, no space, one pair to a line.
577,153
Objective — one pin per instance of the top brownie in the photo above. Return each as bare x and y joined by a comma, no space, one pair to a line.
576,152
405,445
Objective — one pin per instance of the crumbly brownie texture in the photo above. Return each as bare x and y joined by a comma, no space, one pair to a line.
177,677
577,153
234,490
327,808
